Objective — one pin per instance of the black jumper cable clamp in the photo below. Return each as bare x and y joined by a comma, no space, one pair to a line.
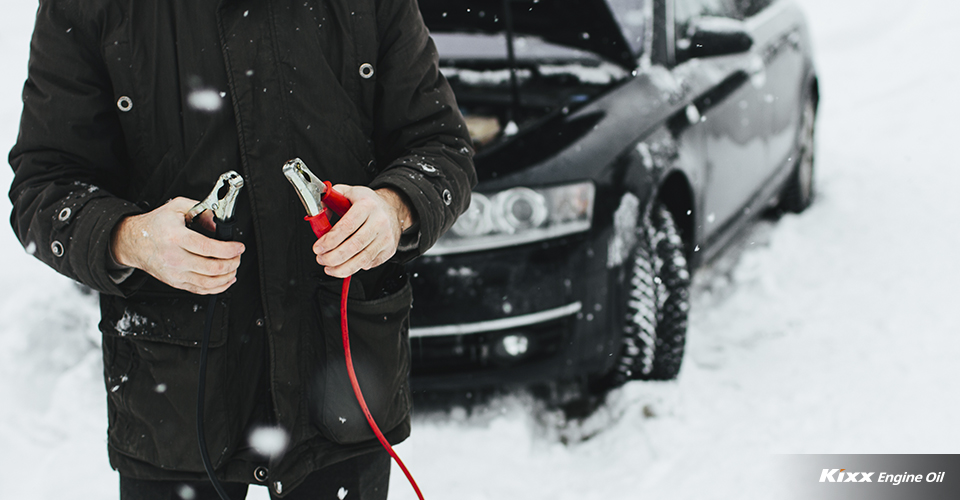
319,199
222,201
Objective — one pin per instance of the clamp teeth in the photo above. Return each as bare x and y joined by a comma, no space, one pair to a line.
309,188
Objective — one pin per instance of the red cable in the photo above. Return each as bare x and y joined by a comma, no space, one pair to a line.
356,388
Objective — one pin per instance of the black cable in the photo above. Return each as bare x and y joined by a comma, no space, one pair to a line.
225,231
201,390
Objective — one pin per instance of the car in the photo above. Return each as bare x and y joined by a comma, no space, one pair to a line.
620,144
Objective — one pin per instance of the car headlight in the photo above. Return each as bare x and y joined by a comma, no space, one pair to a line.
519,215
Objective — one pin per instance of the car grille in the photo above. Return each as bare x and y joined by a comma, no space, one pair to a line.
477,352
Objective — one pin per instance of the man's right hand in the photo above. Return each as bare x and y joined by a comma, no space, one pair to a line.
160,243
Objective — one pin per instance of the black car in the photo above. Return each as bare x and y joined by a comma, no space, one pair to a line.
620,144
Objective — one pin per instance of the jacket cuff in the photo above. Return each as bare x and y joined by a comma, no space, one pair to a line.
409,246
433,214
92,262
117,271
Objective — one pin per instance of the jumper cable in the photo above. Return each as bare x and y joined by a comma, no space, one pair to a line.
222,202
317,197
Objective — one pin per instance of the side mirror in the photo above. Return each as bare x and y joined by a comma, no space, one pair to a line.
713,36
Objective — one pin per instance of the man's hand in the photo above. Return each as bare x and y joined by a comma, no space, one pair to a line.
160,243
367,235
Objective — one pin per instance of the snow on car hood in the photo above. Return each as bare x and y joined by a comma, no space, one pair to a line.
613,29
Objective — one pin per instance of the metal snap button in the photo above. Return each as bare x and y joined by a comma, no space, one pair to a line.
261,474
366,70
65,214
259,321
125,104
57,248
447,197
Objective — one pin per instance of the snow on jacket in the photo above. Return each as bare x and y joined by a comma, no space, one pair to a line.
129,103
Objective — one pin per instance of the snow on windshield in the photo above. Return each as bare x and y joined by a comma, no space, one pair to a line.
481,46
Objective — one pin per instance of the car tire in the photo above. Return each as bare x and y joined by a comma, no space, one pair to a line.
799,191
657,296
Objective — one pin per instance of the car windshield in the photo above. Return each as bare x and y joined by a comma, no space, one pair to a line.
457,47
614,30
477,59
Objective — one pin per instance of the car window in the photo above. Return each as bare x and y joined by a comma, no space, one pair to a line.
685,11
747,8
632,16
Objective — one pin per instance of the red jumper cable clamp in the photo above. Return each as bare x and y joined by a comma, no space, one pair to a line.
318,199
316,196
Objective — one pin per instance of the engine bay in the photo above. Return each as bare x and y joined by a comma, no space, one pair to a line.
546,80
486,98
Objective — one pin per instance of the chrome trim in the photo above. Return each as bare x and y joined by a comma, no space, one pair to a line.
497,324
491,241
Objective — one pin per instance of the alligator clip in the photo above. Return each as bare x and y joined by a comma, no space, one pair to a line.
222,201
316,195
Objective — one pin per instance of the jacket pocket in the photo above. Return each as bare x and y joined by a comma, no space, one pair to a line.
380,348
172,318
151,354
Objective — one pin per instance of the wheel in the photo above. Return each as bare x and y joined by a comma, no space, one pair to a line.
657,305
798,192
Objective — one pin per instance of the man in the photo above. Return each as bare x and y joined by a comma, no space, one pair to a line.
132,109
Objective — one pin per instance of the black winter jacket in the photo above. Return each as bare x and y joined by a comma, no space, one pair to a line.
129,103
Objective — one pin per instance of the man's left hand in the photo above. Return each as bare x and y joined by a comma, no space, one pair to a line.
367,235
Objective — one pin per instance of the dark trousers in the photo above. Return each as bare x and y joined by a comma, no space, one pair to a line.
362,478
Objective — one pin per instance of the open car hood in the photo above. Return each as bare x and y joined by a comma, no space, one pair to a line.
614,34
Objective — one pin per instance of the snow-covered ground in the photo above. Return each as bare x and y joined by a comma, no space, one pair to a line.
829,332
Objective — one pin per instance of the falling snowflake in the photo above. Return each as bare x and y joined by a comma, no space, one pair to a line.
187,493
206,100
269,441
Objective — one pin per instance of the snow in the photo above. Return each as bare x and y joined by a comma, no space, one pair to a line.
828,332
269,441
187,493
205,100
131,323
598,74
603,74
624,229
488,77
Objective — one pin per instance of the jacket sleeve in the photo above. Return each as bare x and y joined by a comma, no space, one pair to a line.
418,129
67,159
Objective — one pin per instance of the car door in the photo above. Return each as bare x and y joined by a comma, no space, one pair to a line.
775,27
734,114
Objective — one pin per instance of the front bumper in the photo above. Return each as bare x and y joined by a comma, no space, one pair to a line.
522,315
